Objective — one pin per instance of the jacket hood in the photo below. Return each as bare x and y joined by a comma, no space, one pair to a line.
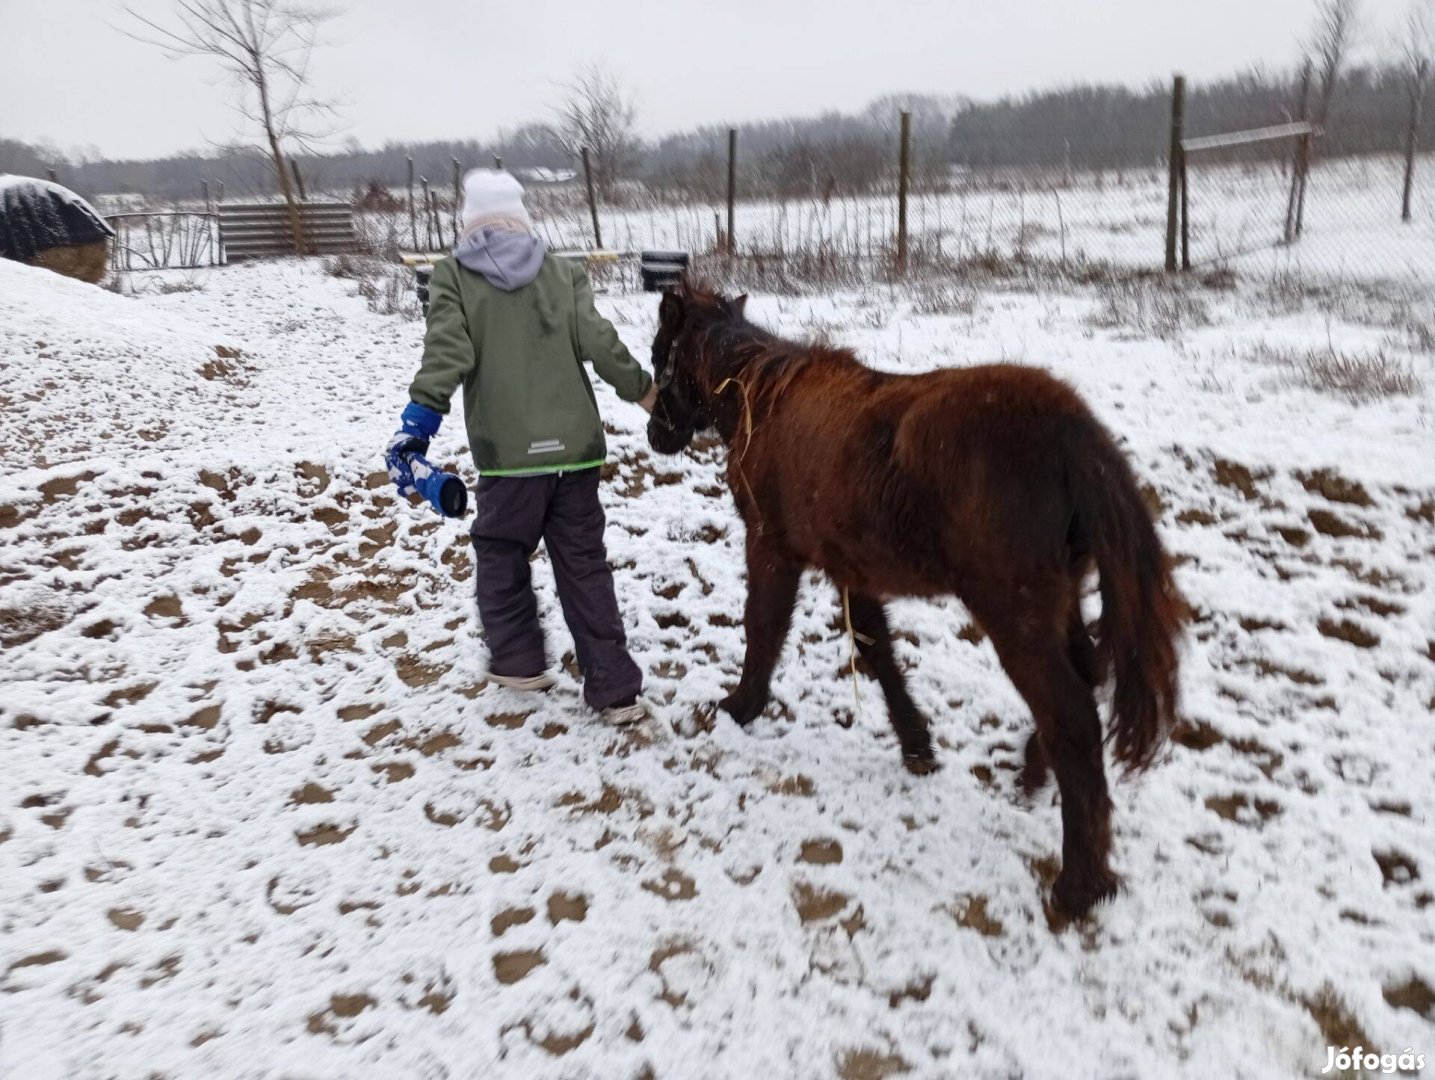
509,260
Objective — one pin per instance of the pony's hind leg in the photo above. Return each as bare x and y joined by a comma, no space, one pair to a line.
1069,731
874,641
772,583
1036,770
1081,647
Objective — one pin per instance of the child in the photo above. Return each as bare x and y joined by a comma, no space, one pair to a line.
514,326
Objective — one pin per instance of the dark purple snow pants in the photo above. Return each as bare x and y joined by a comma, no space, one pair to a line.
562,510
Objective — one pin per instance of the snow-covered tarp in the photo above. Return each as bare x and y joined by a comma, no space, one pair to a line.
36,215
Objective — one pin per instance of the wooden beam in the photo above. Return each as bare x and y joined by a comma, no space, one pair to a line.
1252,135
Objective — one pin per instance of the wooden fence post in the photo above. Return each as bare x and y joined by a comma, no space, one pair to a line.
592,201
497,161
457,196
1173,195
903,180
413,221
731,189
1185,219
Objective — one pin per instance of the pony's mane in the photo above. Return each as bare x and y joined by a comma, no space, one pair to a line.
755,350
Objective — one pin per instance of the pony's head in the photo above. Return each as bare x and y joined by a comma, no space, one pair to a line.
686,317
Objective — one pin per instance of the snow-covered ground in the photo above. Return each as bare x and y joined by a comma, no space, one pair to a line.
262,816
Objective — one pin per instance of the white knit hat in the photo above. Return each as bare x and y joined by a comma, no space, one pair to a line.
493,197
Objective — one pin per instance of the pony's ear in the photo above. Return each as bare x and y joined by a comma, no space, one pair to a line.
737,307
670,312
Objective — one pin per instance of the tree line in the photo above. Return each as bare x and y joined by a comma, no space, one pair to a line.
1082,126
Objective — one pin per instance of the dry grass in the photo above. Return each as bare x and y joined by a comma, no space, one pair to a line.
179,285
85,262
941,283
1407,311
21,625
387,287
931,296
1150,306
1357,377
381,234
788,273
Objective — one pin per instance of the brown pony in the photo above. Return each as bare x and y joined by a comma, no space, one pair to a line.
994,484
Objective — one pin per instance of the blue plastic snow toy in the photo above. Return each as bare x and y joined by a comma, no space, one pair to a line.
413,473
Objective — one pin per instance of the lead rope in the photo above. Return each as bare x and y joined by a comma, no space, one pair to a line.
746,410
747,427
846,596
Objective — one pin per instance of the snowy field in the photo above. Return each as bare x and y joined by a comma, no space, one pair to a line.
261,815
1352,220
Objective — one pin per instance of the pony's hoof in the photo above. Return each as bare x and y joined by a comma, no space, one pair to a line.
742,711
921,764
1076,892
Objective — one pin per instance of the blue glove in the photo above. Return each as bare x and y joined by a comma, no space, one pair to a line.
417,426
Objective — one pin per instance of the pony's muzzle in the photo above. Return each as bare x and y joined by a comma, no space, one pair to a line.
666,437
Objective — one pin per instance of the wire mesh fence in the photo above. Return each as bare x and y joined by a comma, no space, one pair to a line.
956,216
169,240
1081,206
1350,224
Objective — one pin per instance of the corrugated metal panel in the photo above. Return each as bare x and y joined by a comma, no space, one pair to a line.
261,230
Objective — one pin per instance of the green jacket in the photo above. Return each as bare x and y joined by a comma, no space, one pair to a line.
519,355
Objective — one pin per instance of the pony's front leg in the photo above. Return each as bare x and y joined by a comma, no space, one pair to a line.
771,592
874,640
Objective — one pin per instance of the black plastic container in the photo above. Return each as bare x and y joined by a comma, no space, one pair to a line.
660,270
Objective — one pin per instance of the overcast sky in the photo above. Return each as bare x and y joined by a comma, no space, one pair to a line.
462,68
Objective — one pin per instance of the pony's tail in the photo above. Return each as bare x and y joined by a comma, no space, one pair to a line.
1142,611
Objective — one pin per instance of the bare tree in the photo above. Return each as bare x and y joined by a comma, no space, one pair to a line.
1336,22
266,46
1417,56
596,111
1295,204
